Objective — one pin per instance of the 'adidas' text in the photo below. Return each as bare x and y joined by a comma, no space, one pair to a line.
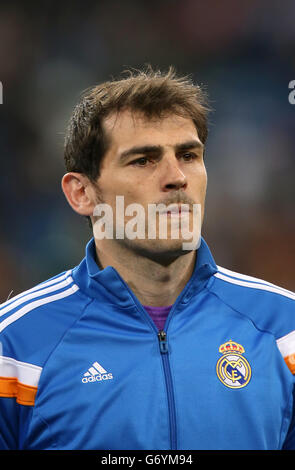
96,373
97,378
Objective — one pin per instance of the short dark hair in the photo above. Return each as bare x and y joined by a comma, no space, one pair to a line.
153,93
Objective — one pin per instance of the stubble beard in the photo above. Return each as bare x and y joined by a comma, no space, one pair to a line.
163,251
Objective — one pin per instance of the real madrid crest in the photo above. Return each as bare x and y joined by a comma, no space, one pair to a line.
232,368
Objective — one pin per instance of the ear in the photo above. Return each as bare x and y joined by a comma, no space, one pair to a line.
79,193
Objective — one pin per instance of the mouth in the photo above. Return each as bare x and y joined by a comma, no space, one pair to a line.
176,210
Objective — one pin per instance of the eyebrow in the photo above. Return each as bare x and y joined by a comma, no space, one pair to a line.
146,149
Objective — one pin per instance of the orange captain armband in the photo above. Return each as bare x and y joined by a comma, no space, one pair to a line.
286,345
19,380
290,361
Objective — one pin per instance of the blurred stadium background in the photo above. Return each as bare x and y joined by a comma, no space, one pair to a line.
243,52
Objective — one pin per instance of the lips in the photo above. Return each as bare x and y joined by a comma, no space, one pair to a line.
176,209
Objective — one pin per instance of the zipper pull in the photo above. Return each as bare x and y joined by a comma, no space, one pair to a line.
163,341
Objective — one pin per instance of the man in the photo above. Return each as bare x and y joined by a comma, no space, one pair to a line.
147,344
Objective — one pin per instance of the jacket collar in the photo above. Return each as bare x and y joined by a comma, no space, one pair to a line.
107,285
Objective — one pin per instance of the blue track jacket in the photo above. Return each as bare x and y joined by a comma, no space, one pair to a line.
83,366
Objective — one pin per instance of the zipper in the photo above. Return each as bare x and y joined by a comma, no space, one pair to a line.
162,336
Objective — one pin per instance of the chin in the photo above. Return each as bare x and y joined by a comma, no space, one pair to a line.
161,251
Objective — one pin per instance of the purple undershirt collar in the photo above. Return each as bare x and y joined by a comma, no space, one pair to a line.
158,314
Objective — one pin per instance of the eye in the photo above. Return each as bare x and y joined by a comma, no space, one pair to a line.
188,156
142,161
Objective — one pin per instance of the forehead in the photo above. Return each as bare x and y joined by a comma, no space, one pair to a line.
127,127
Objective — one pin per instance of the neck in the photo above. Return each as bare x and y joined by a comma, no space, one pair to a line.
154,283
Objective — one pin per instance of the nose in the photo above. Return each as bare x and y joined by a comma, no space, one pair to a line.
172,177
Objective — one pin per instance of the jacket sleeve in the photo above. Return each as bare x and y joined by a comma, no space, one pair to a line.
8,424
13,422
289,443
18,387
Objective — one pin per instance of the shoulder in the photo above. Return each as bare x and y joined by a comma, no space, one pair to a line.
266,304
232,278
31,325
269,307
33,321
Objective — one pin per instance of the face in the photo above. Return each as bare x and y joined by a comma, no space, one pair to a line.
157,161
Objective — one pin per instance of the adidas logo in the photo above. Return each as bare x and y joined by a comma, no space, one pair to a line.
96,373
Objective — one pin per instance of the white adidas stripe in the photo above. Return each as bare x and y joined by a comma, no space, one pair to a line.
35,294
252,285
27,374
36,288
251,278
99,368
37,303
95,369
